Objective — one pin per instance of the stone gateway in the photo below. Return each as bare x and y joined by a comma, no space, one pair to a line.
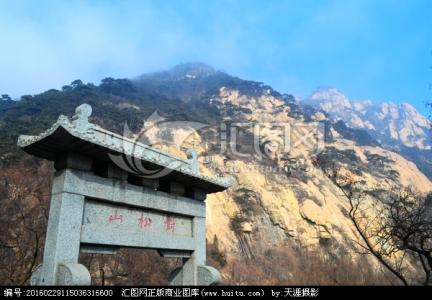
100,203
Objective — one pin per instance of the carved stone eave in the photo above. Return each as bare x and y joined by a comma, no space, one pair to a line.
91,139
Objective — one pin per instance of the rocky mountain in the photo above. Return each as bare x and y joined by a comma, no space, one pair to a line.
398,127
193,81
284,222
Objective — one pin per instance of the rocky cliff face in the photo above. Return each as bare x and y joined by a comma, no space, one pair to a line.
284,221
282,201
396,127
390,123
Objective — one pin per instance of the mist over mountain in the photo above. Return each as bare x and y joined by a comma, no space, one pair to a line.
192,81
398,128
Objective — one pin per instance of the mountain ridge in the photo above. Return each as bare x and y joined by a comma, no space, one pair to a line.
397,127
367,115
284,216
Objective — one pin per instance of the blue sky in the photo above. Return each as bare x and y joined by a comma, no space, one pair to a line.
379,50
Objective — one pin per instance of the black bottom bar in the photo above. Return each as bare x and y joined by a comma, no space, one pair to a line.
224,292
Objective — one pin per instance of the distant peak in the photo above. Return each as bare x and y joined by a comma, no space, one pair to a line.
197,69
408,107
188,71
331,95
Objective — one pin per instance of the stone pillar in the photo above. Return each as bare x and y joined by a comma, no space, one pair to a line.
62,244
194,271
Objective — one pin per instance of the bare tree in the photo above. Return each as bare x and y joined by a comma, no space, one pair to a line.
409,223
368,227
393,225
24,199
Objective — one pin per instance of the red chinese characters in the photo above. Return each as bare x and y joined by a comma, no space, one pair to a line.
144,222
169,224
115,217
